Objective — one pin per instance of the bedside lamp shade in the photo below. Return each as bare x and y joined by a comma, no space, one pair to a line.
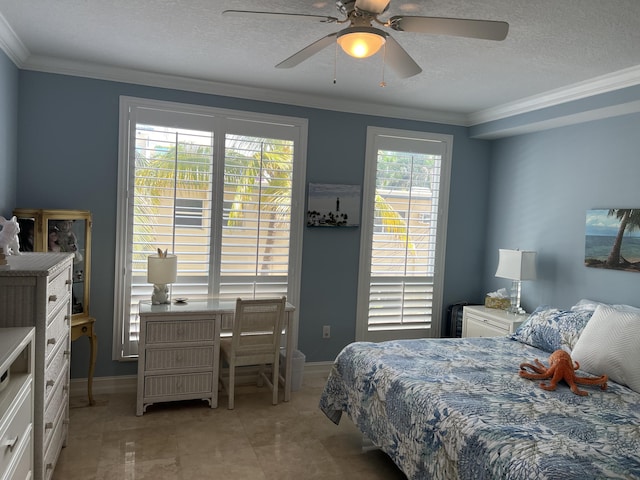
161,270
516,265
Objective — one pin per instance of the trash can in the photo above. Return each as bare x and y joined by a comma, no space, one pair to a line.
297,368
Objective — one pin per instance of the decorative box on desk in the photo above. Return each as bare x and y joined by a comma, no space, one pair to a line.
36,292
480,321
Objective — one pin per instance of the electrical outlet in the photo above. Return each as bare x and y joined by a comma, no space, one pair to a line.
326,331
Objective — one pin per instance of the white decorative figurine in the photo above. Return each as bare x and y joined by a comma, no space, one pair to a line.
9,242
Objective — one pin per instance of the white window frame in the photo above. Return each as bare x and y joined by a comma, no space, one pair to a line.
221,122
367,229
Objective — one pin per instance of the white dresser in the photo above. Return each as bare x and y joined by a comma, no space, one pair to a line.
480,321
176,357
16,403
36,291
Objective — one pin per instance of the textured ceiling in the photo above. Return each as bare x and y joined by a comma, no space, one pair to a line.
551,45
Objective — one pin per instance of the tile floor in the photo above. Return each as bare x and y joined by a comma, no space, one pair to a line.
189,441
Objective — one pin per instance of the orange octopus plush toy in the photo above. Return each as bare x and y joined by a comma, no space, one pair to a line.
560,368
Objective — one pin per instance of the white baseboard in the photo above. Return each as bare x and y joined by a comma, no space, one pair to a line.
129,383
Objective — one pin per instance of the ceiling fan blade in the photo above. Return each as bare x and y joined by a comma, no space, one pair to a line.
373,6
484,29
296,16
399,60
308,51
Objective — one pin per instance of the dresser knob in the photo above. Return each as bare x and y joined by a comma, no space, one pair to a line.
50,383
68,282
10,443
53,298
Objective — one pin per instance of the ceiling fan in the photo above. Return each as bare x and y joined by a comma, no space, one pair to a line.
361,39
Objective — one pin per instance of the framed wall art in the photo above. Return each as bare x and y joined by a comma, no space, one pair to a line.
333,205
612,239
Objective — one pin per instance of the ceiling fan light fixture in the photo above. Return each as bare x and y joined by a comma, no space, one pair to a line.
361,42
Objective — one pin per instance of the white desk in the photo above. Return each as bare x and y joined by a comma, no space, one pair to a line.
179,350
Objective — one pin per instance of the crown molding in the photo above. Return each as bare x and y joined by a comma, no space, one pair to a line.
19,54
605,83
139,77
11,45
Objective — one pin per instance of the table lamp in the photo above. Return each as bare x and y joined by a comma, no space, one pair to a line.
162,269
517,266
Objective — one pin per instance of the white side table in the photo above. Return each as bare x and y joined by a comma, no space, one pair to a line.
480,321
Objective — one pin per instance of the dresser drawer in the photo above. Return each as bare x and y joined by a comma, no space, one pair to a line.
500,328
167,385
15,428
179,331
58,290
57,332
56,440
23,467
56,372
178,358
55,409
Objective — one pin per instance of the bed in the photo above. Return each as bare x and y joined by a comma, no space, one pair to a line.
456,408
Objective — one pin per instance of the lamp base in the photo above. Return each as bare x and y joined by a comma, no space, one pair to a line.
515,307
160,294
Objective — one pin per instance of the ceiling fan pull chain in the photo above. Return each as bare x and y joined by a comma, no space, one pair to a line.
384,55
335,62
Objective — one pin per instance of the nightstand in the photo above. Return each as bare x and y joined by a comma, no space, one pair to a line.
480,321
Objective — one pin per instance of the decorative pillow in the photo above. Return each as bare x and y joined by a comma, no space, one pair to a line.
591,305
610,345
552,329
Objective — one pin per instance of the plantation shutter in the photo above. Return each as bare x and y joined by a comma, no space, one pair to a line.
222,202
258,181
400,237
173,168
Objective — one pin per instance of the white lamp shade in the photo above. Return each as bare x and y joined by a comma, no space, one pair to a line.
516,265
162,270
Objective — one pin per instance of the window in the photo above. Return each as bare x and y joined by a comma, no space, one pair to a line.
402,234
222,190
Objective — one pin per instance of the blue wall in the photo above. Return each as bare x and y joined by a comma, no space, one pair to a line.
529,191
68,132
542,185
8,134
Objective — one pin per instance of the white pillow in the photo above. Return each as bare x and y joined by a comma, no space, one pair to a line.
586,305
610,345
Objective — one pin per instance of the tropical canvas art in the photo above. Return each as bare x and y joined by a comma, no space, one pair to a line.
612,239
332,205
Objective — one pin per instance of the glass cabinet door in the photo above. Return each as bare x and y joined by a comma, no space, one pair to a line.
66,231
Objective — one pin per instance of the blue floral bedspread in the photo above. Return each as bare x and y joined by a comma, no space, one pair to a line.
456,408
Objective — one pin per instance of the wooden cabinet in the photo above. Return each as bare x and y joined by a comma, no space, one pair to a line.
36,292
16,403
61,231
480,321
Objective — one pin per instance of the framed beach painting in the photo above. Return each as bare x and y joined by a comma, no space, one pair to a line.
612,239
333,205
